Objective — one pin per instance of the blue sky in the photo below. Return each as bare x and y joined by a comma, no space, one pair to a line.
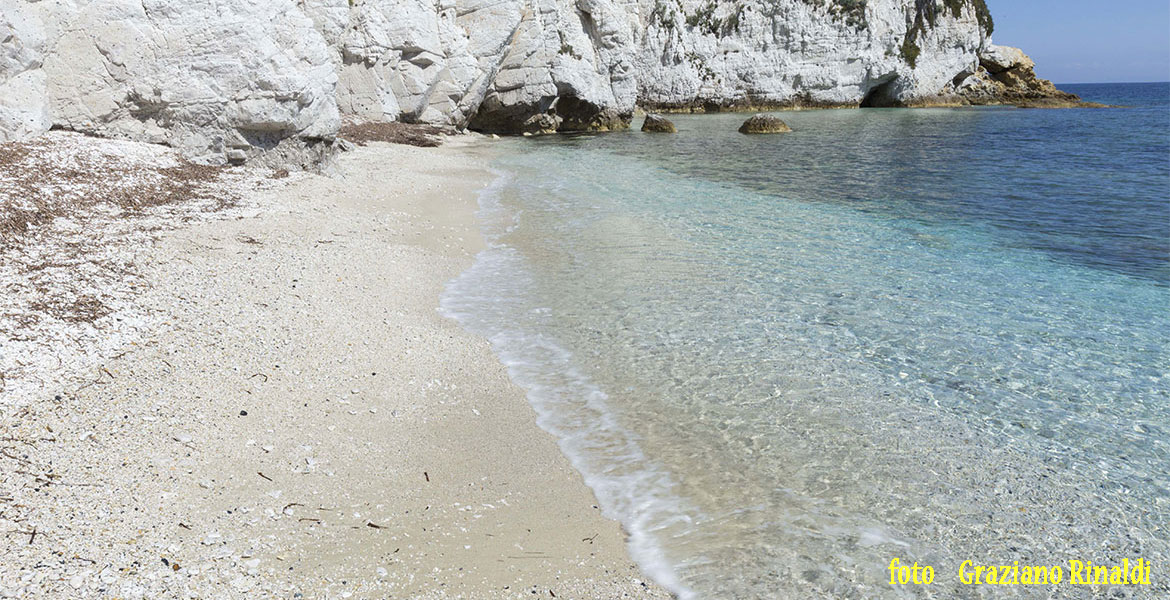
1084,41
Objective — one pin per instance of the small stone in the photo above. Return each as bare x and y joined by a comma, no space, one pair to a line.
78,580
237,155
243,413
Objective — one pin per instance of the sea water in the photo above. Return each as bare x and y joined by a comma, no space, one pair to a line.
936,335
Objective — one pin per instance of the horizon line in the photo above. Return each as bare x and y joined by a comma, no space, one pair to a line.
1105,82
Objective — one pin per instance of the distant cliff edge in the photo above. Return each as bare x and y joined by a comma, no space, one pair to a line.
271,79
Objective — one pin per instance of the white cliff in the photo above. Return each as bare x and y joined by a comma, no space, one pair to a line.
217,79
23,108
225,80
766,53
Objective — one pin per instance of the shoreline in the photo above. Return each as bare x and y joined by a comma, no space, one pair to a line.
290,414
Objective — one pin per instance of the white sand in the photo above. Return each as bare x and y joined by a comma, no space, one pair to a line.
384,452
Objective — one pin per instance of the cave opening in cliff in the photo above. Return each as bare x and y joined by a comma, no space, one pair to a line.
881,95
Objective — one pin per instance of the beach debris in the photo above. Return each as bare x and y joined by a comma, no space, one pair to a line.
427,476
263,475
373,525
243,413
393,132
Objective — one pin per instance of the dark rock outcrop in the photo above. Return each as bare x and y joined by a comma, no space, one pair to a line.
549,115
1007,76
658,124
764,124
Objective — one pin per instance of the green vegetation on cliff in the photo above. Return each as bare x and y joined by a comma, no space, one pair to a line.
926,13
852,12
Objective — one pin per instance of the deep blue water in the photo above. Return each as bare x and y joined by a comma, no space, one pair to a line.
781,361
1089,186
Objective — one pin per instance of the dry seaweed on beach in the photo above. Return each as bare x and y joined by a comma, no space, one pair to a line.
75,212
411,134
72,177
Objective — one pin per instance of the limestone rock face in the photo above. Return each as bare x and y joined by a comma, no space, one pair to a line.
400,59
211,78
568,60
768,53
764,124
997,59
23,110
658,124
270,79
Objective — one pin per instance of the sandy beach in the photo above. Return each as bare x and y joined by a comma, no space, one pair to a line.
270,405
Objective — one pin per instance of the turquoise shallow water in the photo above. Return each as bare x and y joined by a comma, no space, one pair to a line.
782,361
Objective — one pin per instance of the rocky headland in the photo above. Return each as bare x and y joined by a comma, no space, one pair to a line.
270,81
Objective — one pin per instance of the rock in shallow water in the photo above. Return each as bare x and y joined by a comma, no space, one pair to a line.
764,124
658,124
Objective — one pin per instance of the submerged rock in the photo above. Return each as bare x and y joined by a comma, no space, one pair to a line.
764,124
658,124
